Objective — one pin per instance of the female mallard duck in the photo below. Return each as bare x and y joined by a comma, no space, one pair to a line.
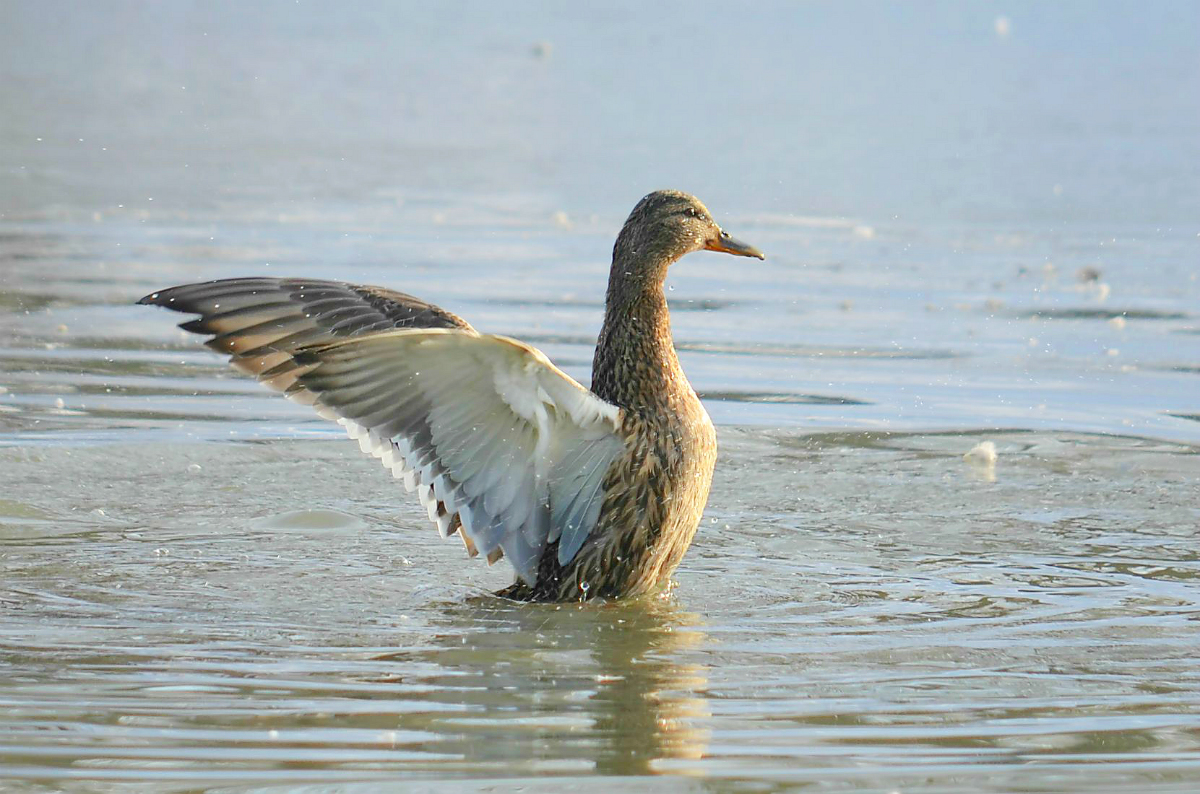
587,493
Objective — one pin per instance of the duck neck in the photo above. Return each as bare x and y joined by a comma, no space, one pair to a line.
635,365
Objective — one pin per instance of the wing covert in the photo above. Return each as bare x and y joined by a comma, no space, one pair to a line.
488,426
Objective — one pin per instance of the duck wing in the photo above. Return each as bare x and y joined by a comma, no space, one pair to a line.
495,439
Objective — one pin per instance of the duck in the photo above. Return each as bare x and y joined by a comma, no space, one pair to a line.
589,493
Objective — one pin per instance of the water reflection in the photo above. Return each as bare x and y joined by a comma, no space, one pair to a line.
567,685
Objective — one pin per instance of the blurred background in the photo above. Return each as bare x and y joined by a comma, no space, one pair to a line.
1000,113
1010,190
982,223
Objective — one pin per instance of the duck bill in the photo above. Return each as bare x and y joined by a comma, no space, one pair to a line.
732,245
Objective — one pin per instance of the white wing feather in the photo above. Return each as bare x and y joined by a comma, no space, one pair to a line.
483,424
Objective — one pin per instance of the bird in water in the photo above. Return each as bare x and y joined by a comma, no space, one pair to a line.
588,494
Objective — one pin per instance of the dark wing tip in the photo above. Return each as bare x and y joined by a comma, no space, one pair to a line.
165,297
187,293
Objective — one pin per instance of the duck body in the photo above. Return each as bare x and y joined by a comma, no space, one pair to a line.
656,490
589,494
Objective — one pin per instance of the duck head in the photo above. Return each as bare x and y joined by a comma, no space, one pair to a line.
668,224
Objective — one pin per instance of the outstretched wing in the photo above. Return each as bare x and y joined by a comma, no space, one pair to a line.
493,437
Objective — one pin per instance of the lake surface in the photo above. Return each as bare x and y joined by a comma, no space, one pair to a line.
981,225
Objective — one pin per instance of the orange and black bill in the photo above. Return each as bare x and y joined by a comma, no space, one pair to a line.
731,245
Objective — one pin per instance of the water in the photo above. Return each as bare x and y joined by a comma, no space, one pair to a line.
972,236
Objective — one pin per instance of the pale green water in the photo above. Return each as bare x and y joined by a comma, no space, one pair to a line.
202,588
858,612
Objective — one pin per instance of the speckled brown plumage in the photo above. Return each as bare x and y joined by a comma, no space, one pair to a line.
607,507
